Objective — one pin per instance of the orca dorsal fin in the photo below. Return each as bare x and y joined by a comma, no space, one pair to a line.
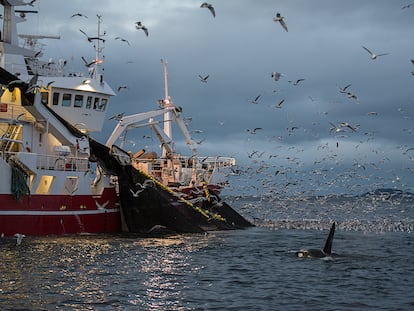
327,249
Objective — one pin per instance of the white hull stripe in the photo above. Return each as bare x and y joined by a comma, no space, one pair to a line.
57,213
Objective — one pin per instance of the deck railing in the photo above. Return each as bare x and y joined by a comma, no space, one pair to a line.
48,162
53,162
183,169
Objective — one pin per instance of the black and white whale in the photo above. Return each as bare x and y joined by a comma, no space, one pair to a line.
319,253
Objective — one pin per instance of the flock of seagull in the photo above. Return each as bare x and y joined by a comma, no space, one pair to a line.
339,130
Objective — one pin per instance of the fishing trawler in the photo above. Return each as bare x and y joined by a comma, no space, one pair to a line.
50,184
58,180
170,191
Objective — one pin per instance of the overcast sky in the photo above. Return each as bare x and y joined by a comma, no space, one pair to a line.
239,49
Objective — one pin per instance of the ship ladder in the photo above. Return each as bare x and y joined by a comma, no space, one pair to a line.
9,137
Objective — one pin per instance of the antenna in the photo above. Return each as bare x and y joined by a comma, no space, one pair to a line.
167,101
98,48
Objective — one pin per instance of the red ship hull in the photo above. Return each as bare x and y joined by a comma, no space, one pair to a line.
60,214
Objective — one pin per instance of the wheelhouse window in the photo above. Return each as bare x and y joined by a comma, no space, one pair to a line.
45,98
88,102
66,100
104,103
78,101
96,103
55,99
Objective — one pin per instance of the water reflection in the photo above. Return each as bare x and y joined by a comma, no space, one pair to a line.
166,266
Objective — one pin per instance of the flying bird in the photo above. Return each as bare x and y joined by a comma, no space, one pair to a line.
123,40
373,55
296,82
254,131
341,127
90,39
209,7
122,87
32,85
136,193
88,64
256,100
343,89
279,105
203,79
79,14
101,206
117,117
346,124
139,25
352,96
19,238
276,75
49,83
280,19
407,6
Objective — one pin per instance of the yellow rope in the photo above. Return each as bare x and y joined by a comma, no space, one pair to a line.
204,212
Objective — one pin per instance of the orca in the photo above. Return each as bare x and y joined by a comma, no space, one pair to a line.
319,253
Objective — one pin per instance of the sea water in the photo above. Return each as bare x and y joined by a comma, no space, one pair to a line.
372,267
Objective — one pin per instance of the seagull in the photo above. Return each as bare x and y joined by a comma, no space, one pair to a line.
346,124
340,128
49,83
279,105
343,90
37,54
276,75
136,193
19,238
335,128
352,96
409,149
407,6
296,82
148,183
123,40
279,18
33,80
122,87
88,64
210,7
90,39
197,131
139,25
117,117
203,79
18,118
79,14
256,100
254,131
101,206
373,55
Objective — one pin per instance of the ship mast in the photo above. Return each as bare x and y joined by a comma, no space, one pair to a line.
10,19
167,102
98,48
